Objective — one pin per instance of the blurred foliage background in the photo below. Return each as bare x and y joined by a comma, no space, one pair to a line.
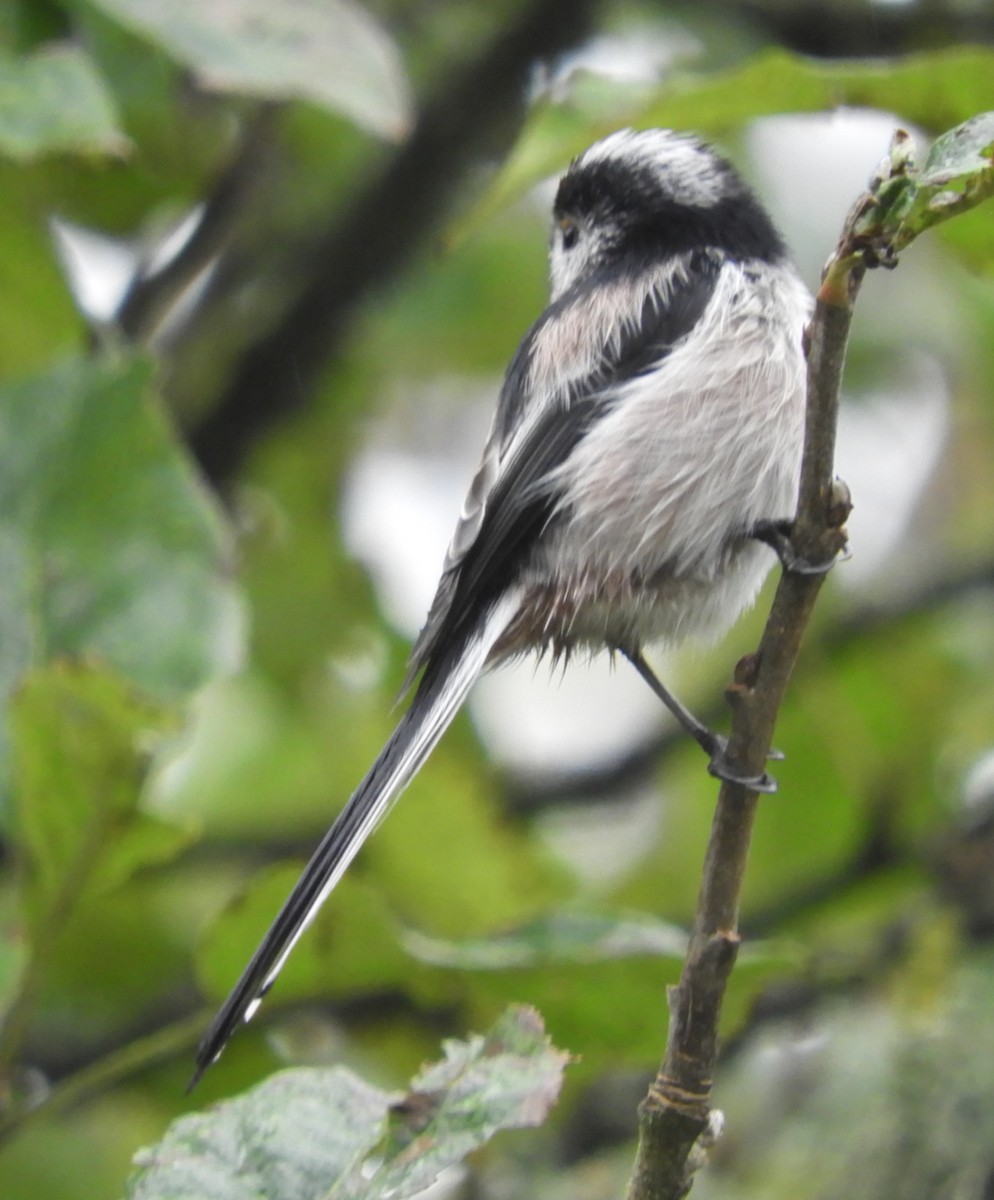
261,267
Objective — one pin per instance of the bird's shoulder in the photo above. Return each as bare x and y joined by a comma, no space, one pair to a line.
616,322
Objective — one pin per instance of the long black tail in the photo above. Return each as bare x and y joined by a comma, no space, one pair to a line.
439,696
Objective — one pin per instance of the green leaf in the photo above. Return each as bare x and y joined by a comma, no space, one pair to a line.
293,1135
54,101
330,52
82,743
109,544
507,1080
557,937
903,201
934,89
958,174
327,1134
351,947
963,151
40,319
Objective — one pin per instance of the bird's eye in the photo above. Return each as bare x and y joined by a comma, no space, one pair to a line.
571,234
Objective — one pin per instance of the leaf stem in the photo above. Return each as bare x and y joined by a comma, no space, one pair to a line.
98,1076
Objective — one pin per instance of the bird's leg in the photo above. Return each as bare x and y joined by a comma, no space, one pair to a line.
713,744
776,535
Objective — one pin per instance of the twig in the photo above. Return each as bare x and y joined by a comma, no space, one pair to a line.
111,1069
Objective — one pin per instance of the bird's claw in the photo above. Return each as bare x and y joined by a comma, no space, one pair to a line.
796,565
721,768
776,535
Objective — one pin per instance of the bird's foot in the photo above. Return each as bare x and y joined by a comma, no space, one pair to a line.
721,768
714,745
776,535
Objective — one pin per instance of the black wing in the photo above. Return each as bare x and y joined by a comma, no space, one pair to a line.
518,505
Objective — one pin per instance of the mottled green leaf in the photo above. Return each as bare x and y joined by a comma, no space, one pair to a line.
957,175
508,1079
293,1135
965,150
312,1133
110,545
904,200
82,740
54,101
82,744
331,52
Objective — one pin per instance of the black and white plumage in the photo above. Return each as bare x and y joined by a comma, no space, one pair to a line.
650,422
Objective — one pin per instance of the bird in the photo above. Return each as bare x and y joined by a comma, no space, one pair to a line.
643,458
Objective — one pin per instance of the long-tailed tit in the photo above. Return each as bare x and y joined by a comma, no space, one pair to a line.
648,432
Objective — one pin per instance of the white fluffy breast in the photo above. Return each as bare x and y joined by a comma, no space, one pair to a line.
691,455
